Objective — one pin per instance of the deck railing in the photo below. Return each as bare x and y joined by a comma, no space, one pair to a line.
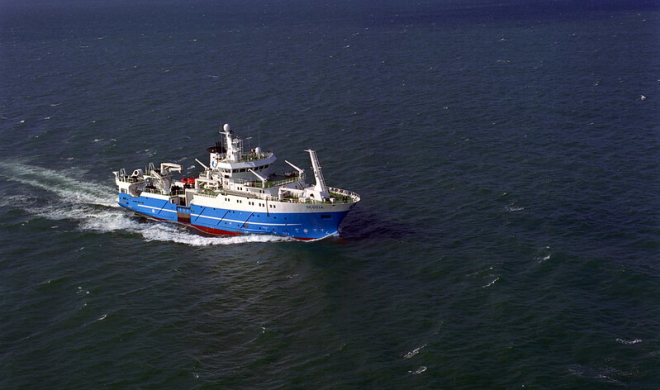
339,195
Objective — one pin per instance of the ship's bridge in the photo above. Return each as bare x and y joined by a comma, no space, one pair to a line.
232,162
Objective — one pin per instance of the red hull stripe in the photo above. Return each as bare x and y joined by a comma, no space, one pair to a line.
217,232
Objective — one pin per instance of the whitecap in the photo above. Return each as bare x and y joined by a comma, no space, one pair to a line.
418,371
598,374
512,208
413,352
629,342
544,256
491,283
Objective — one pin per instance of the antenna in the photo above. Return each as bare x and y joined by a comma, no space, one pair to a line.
249,138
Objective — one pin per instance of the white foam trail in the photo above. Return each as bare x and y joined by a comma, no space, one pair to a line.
94,207
60,184
163,231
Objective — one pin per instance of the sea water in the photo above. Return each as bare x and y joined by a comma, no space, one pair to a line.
506,154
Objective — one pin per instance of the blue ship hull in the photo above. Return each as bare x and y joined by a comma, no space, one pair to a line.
219,221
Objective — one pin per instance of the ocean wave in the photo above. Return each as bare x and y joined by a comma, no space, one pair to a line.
491,283
513,208
544,255
418,371
629,341
600,374
414,352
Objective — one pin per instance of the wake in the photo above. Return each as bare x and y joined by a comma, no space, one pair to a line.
93,206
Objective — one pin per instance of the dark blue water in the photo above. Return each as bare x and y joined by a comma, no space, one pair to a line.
507,156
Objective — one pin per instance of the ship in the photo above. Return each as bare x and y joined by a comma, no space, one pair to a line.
237,194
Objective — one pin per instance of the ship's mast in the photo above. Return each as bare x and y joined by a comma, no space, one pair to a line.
234,146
